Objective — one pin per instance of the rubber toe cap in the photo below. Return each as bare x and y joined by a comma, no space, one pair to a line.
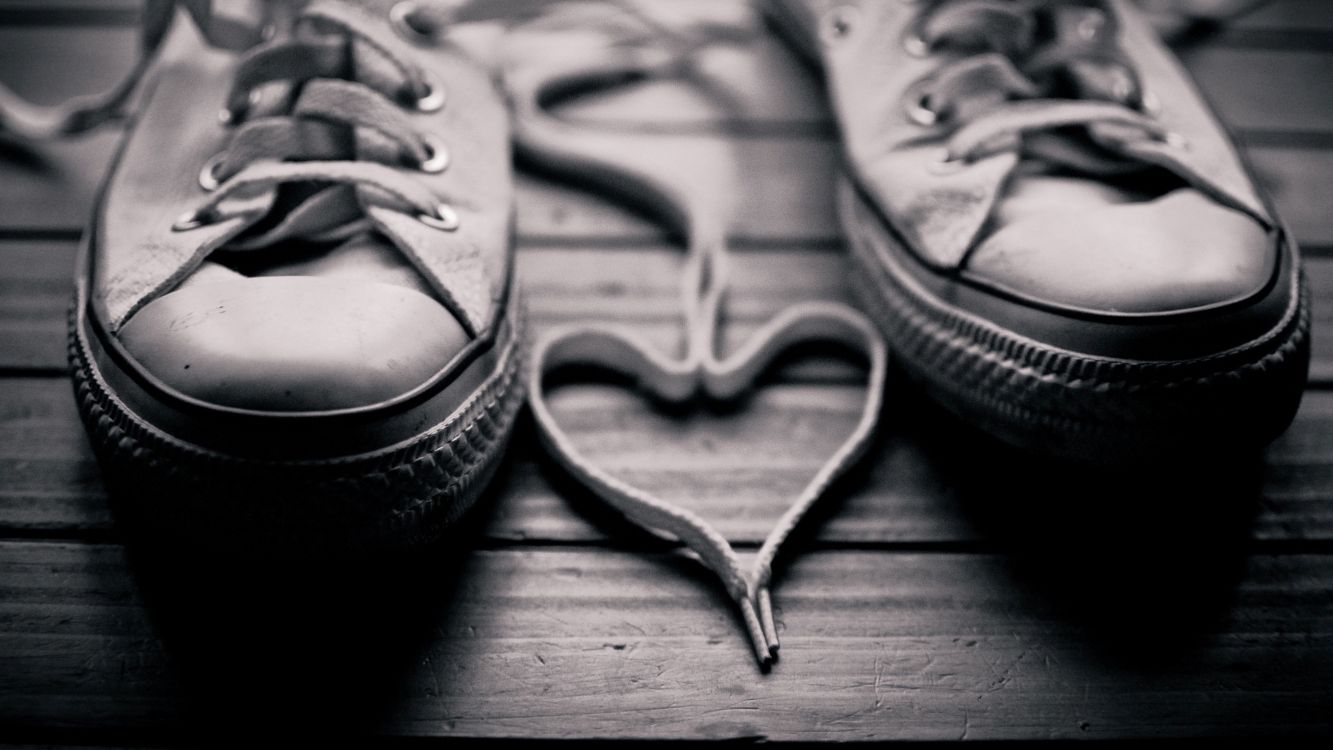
293,344
1177,253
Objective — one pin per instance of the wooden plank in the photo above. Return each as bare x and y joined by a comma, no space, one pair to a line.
925,482
1239,84
636,285
759,81
36,286
765,88
1319,276
1288,15
586,644
50,190
125,12
69,12
785,198
1274,15
49,64
1297,181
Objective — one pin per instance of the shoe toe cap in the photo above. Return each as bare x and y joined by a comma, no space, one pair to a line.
1179,252
293,344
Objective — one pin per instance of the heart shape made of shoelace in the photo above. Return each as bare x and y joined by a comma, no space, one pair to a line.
662,179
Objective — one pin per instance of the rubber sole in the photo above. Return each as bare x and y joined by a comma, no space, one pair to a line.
402,495
1068,405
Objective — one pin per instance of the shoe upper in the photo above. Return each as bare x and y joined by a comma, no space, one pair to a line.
1052,153
334,239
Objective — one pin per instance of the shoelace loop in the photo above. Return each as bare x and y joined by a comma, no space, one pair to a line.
699,371
330,104
1012,68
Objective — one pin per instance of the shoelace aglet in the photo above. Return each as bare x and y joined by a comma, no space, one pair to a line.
766,620
756,631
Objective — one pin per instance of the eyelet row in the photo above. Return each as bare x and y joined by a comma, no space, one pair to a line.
443,217
437,158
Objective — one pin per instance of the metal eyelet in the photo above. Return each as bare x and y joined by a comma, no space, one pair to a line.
433,99
1090,25
1150,104
1175,140
208,176
445,218
947,163
400,17
1122,90
437,156
193,220
837,24
915,45
920,112
229,117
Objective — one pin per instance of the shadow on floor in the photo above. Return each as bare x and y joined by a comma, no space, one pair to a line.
298,647
1144,560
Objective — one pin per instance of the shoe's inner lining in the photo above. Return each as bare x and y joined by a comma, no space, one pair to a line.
1053,81
315,228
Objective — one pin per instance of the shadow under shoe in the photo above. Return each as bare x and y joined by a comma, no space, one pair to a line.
301,647
1145,559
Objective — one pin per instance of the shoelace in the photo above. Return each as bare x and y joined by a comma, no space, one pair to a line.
36,122
1016,71
306,141
700,370
422,20
296,102
654,50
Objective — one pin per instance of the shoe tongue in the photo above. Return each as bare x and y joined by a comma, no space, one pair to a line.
366,256
315,229
1034,194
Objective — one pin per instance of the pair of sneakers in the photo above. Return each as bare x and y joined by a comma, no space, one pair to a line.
296,311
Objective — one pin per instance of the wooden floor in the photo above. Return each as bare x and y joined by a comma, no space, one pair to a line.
951,591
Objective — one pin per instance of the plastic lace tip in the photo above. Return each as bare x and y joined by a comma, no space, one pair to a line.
763,657
766,621
756,633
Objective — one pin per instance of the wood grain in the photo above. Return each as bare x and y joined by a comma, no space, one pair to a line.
1289,16
635,284
759,81
49,190
923,483
585,644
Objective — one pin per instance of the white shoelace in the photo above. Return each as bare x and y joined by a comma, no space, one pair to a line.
699,371
305,140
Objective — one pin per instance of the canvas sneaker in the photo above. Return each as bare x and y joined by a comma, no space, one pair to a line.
296,324
1051,228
